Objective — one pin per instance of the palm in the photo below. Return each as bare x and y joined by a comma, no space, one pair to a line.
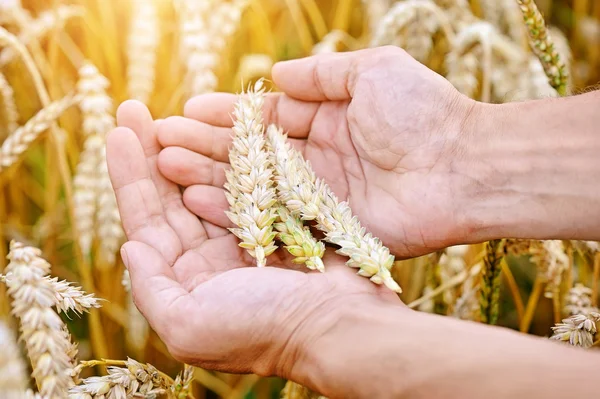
385,159
191,273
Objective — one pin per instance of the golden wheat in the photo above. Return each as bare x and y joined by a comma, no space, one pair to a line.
19,141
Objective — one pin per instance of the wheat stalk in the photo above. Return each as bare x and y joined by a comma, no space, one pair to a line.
35,29
143,41
20,140
11,114
13,371
249,186
543,46
312,199
42,330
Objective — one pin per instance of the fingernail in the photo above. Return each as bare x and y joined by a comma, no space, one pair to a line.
124,257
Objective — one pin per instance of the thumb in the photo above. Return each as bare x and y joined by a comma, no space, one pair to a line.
153,284
324,77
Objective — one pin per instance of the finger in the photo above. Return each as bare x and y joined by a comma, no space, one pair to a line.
187,168
135,116
138,200
294,116
325,77
214,231
203,138
209,203
153,285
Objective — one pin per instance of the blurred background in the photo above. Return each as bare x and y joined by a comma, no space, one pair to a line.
53,191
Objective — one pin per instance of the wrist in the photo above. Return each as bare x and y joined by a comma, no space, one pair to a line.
332,353
532,169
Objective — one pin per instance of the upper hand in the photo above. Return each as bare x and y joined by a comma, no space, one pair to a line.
378,126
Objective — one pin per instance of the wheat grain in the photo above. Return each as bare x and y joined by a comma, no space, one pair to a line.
11,114
37,28
543,46
42,330
143,41
578,330
13,371
70,298
312,199
249,186
20,140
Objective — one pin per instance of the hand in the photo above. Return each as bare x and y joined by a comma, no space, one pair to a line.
378,126
198,288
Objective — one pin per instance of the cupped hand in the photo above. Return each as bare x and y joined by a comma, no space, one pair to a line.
379,127
198,288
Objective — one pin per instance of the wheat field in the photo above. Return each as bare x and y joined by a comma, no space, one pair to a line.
65,65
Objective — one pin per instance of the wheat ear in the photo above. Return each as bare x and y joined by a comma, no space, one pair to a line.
143,41
312,199
579,301
489,290
577,330
13,371
249,186
20,140
42,330
93,191
298,239
125,379
411,24
543,46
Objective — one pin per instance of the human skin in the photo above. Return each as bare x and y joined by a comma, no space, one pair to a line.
424,168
